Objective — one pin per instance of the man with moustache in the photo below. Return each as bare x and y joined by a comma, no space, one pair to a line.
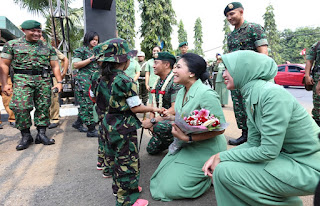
164,94
245,36
31,60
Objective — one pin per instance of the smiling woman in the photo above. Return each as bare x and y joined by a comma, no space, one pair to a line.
179,175
282,144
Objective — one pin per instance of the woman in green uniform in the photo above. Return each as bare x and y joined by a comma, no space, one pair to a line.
117,100
220,87
179,176
280,160
84,61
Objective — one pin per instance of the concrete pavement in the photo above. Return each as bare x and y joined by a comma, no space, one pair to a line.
65,173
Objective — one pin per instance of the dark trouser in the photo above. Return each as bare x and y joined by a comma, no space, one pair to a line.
239,108
143,92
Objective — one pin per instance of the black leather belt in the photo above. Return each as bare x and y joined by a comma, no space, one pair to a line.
30,72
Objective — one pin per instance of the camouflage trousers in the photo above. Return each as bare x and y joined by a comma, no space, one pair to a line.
82,84
122,162
316,99
31,91
239,108
161,138
143,92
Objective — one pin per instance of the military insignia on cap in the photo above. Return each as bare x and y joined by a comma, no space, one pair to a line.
156,55
230,6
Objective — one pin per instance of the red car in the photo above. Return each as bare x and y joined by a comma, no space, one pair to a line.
290,74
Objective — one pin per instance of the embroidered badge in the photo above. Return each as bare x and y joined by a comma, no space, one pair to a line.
230,6
156,55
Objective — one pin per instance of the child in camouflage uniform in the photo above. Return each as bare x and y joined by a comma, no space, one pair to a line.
117,102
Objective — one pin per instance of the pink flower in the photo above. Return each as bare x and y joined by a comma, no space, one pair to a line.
196,112
204,113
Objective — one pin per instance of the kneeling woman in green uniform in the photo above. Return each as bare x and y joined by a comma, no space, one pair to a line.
117,98
179,175
281,159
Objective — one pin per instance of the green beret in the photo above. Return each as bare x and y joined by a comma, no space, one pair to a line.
183,43
113,50
232,6
165,56
30,24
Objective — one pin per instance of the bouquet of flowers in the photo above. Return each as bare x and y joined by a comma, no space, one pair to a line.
198,122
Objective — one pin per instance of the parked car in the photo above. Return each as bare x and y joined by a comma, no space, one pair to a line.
290,74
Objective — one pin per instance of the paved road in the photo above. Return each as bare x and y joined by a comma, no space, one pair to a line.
65,173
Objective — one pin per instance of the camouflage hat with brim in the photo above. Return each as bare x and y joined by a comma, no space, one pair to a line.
166,56
31,24
232,6
114,50
183,43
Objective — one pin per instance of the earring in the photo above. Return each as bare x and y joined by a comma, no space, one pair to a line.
190,76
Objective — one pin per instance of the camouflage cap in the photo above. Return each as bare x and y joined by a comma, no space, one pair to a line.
232,6
113,50
31,24
183,43
165,56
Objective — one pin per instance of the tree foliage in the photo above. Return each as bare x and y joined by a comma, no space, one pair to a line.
272,34
157,19
226,30
182,33
125,15
198,37
292,42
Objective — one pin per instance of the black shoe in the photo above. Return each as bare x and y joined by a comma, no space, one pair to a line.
240,140
92,132
26,140
79,126
53,125
1,127
13,124
42,137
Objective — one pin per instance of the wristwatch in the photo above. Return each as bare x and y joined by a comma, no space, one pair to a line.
190,138
153,120
59,82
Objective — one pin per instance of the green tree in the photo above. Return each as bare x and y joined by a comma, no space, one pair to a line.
292,42
182,33
272,34
198,37
126,20
34,6
226,30
157,19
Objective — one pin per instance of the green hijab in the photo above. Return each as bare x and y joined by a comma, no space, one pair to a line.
247,66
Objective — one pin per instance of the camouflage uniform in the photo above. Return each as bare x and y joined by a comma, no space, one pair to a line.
248,37
30,89
143,92
118,131
162,136
311,55
82,83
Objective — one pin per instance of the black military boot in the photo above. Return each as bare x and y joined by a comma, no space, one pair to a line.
240,140
79,125
42,137
92,132
26,140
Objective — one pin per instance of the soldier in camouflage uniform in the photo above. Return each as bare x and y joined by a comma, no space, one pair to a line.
313,61
245,36
84,61
31,60
161,129
117,102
